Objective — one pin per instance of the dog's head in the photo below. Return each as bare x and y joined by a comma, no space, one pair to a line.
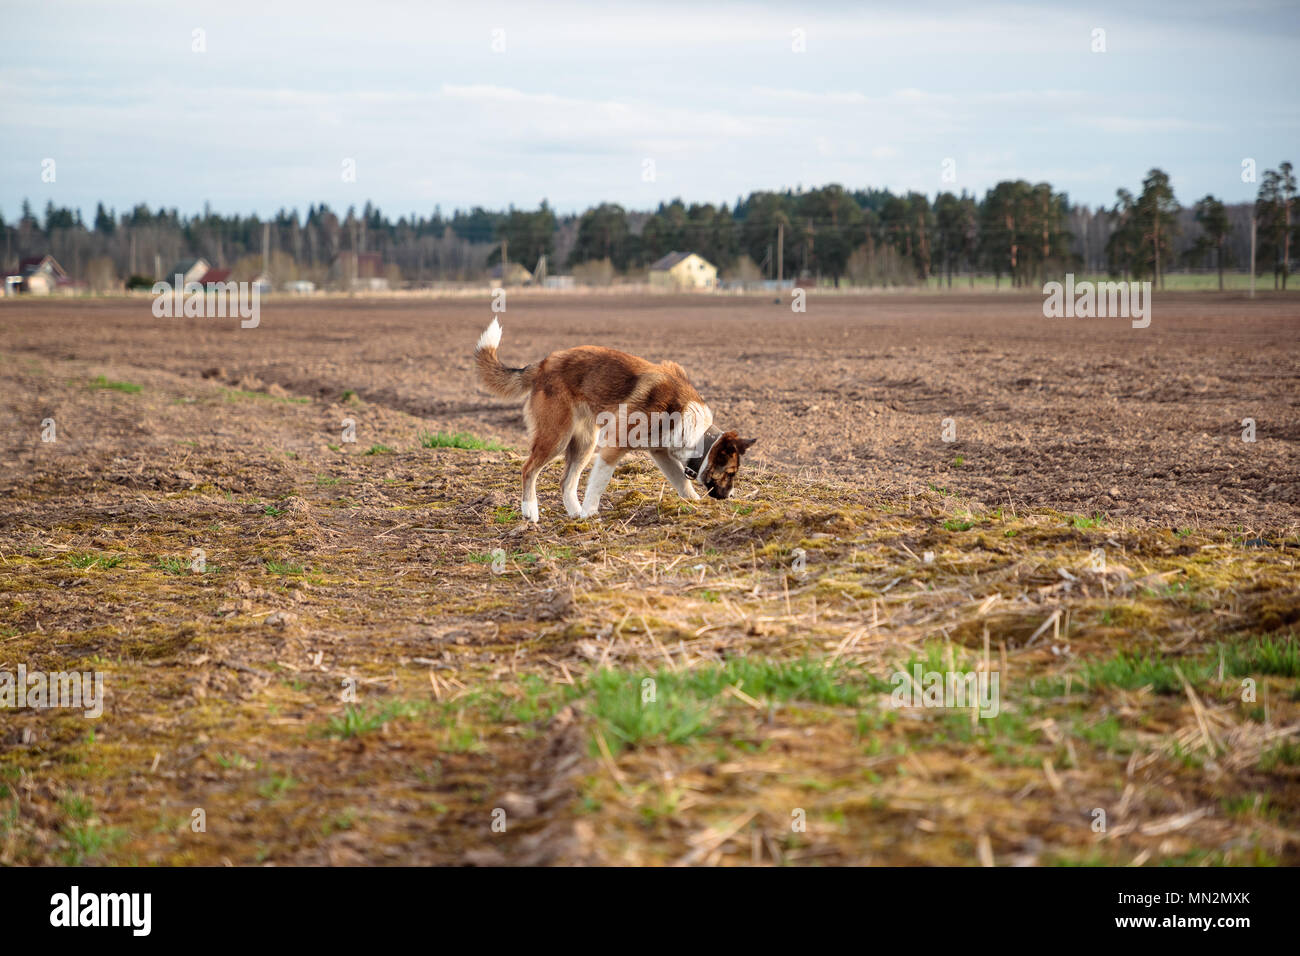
724,461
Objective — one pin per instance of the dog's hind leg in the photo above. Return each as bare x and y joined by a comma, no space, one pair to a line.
551,427
576,456
537,460
672,470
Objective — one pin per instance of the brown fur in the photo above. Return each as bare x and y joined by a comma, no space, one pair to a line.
506,382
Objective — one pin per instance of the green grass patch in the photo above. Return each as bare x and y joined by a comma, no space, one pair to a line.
1247,805
1285,754
1263,655
523,557
458,440
89,560
127,387
1107,733
1008,738
173,565
276,786
83,837
674,707
1131,671
363,719
86,841
237,394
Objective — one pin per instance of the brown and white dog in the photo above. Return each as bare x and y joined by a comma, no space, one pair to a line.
589,400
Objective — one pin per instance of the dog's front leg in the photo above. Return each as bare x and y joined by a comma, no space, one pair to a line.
672,470
601,470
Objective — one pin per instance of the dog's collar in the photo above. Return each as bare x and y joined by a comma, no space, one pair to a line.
692,466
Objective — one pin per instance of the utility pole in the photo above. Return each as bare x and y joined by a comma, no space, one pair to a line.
1252,256
356,260
505,261
780,252
808,247
266,248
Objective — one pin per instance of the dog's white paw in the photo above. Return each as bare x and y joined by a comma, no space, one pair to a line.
573,509
589,512
691,494
529,510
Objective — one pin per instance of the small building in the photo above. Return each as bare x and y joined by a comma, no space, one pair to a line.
558,282
515,275
756,285
683,271
213,277
359,271
300,287
41,275
190,270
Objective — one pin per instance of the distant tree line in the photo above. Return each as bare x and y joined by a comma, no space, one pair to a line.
1019,231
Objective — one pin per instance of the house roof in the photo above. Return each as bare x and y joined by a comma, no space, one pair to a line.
184,266
515,270
214,275
672,259
32,263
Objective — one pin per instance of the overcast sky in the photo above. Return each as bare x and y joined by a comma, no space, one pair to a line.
580,97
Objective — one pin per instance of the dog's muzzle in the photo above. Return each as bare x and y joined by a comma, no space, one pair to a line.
693,466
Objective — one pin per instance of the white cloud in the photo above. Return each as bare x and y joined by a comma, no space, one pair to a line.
583,95
1146,124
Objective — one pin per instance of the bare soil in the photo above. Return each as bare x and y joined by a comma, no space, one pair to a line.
380,663
1085,415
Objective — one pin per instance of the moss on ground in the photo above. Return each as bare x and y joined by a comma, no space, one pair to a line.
353,676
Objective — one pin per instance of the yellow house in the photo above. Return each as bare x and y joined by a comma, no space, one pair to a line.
683,270
516,275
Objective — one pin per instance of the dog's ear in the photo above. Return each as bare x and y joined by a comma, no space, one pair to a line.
742,444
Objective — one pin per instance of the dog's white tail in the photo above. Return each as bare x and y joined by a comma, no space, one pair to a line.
491,337
506,382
